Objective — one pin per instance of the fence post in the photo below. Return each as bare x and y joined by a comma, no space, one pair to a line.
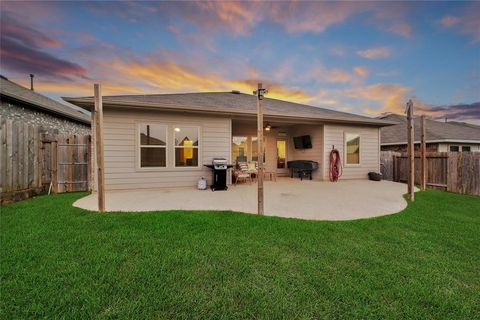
411,152
423,158
53,166
99,146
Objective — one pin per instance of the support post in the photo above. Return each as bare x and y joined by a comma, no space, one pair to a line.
99,146
260,177
411,152
423,151
53,166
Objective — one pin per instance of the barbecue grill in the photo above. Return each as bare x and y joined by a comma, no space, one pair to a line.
219,167
303,168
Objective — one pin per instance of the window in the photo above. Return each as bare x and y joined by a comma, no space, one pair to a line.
239,149
454,148
153,146
186,146
352,148
466,148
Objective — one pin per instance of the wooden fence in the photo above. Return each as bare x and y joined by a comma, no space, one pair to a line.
457,172
32,162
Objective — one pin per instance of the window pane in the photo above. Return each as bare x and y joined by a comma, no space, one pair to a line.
353,148
186,136
153,134
186,157
153,157
466,148
239,149
255,149
454,148
281,153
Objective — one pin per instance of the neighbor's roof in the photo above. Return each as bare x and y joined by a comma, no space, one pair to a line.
232,103
436,131
16,92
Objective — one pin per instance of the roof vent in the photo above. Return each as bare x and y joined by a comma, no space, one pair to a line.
235,91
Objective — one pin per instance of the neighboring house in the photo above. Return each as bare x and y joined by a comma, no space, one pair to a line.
28,106
164,140
440,136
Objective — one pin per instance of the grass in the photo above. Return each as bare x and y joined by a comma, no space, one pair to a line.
58,261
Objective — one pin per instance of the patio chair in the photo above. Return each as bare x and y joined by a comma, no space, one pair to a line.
242,173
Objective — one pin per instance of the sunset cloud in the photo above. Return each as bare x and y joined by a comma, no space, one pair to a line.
21,50
374,53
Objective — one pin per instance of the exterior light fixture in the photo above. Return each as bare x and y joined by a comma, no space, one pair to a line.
260,93
268,127
177,129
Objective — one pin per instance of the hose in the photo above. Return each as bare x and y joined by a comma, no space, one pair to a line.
335,170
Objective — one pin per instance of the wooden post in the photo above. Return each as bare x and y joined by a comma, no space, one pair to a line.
411,152
99,147
260,177
53,166
423,151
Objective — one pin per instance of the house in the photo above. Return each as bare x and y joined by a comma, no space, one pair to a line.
164,140
25,105
440,136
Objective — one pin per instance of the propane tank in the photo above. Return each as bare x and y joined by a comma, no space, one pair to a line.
202,184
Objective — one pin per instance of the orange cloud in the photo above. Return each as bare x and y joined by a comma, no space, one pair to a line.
375,53
391,96
361,71
144,77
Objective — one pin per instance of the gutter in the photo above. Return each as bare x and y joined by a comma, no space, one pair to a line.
432,141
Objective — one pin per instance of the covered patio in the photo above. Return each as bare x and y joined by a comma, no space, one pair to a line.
289,198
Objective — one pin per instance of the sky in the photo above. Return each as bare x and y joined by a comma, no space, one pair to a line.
362,57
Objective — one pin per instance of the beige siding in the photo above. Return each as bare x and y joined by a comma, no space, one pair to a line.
121,149
369,150
315,153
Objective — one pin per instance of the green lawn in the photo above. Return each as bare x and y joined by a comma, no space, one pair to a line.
60,261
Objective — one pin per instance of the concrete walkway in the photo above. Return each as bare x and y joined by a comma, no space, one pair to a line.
292,198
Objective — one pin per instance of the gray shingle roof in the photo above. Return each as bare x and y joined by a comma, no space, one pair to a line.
16,92
436,131
228,103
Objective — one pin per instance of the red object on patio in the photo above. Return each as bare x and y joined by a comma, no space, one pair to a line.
335,170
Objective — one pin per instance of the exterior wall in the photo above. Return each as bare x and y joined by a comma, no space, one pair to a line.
121,149
50,123
369,150
315,153
432,147
445,147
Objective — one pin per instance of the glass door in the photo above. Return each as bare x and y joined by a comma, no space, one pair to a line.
282,157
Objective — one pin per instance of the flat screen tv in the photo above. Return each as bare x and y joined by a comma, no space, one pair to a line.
302,142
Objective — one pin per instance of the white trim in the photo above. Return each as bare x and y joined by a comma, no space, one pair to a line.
345,164
175,147
138,146
433,141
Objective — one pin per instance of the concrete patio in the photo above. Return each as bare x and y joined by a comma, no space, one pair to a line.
292,198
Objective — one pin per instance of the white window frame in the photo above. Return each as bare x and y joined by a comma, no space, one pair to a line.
460,147
199,161
345,133
140,146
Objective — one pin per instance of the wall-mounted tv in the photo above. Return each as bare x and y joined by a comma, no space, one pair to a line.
302,142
